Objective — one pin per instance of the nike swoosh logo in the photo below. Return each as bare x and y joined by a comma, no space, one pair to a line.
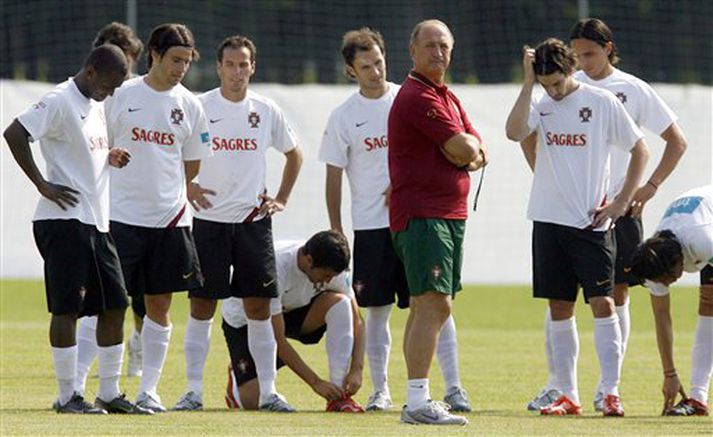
215,121
267,284
134,109
82,116
627,269
602,282
187,275
361,124
545,114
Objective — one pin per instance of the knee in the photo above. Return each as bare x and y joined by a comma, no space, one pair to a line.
561,309
602,306
257,308
432,305
202,309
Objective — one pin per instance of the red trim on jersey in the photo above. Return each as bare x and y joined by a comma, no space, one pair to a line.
255,211
178,216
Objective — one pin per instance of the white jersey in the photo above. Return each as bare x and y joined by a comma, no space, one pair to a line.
642,104
161,130
576,135
241,133
71,129
690,218
356,140
293,285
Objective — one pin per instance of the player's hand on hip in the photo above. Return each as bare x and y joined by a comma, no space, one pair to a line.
352,382
62,195
328,390
118,157
528,64
387,195
642,195
196,196
271,205
612,211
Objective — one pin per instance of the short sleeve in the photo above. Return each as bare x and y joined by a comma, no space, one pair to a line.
655,115
44,118
622,130
284,138
335,144
198,144
428,115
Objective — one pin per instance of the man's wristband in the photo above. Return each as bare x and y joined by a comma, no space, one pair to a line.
650,182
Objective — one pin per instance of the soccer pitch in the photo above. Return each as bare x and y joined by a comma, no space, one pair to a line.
501,359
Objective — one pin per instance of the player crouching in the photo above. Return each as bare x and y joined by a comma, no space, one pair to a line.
315,297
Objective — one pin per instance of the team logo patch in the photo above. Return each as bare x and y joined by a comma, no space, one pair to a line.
621,96
436,272
359,287
253,119
432,113
243,366
585,114
205,137
177,116
39,105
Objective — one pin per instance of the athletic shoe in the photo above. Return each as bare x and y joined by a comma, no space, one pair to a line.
121,405
563,406
688,407
612,406
344,405
190,401
598,401
457,398
433,413
543,399
379,401
278,404
135,355
77,405
231,391
150,402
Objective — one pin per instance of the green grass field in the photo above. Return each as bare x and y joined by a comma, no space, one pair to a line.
502,366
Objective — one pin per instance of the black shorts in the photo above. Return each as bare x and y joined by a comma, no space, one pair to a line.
82,269
157,260
629,233
707,275
247,248
378,272
237,341
564,258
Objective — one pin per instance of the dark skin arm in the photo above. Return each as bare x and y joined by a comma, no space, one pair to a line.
17,138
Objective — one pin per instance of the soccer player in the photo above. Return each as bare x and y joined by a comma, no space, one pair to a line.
71,223
432,145
235,234
123,37
355,141
164,127
573,245
683,242
314,297
593,43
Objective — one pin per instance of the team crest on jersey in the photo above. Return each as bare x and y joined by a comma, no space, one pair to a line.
176,116
621,96
436,272
253,119
585,114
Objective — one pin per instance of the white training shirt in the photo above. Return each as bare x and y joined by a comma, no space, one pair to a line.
293,285
576,135
71,129
690,218
642,104
241,134
356,140
161,130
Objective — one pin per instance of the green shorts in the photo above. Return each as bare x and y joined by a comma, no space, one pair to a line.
432,252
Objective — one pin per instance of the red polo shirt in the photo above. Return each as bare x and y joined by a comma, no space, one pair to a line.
423,117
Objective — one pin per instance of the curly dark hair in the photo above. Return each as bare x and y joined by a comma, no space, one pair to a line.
329,249
656,257
553,56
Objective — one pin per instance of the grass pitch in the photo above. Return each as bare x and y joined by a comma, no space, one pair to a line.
502,366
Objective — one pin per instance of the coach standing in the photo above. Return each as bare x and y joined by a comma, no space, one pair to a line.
432,146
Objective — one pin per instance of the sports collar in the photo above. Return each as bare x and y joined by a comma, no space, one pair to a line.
426,81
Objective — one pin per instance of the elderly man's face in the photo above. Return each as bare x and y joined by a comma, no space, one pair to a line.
431,52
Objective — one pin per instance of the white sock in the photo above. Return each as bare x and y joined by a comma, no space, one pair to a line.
110,360
447,352
263,349
565,349
154,339
196,345
702,359
417,393
607,342
86,350
340,340
551,372
378,345
625,325
65,369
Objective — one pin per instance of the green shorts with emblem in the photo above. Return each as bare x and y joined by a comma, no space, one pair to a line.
432,252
